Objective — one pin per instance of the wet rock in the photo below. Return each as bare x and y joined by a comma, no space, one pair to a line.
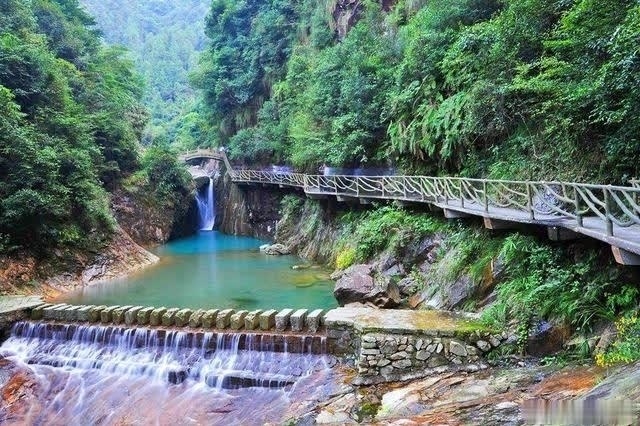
209,318
117,316
182,317
95,314
282,319
313,320
105,314
276,250
236,322
131,316
252,320
298,319
156,316
546,338
338,411
144,315
169,317
223,319
357,285
84,313
268,319
195,320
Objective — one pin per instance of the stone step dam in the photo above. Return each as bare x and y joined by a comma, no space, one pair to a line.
385,345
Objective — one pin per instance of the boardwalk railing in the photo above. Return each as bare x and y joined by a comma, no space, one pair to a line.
606,212
544,201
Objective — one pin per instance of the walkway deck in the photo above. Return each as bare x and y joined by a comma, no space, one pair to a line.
607,213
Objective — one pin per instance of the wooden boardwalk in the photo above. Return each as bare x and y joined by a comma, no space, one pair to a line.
607,213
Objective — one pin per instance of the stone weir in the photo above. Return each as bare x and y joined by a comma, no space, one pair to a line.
386,345
287,330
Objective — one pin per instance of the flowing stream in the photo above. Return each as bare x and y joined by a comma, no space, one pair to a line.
84,375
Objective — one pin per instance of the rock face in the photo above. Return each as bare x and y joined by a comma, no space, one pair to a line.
358,285
149,222
246,210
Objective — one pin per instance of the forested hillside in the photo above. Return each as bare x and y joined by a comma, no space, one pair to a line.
71,120
165,38
507,89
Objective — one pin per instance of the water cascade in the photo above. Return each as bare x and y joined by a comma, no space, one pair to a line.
107,375
206,208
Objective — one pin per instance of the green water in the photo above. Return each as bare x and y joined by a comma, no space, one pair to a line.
214,270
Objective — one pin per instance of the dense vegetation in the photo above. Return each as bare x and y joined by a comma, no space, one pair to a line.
165,38
475,87
71,122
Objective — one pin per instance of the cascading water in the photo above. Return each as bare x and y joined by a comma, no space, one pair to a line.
206,208
110,375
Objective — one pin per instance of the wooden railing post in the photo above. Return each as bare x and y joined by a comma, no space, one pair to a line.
485,195
532,215
461,193
576,199
446,191
607,211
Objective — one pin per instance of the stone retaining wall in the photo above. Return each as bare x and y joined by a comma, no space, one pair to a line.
394,345
298,321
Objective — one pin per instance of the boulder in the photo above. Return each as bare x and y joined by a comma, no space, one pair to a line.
357,285
276,250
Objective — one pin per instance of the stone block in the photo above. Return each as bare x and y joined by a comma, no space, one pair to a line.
236,322
95,314
423,355
196,318
483,345
169,317
49,312
70,314
457,348
131,315
398,356
402,363
252,320
297,319
182,317
314,320
117,316
224,316
37,312
84,313
105,315
268,319
282,319
144,315
209,318
156,316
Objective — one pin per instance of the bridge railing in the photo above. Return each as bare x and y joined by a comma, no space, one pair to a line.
614,205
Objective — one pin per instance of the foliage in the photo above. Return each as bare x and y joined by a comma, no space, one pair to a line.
474,87
385,228
166,176
626,348
346,257
164,38
70,124
543,282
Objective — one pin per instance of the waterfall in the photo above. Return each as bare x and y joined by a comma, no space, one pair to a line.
104,373
206,208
